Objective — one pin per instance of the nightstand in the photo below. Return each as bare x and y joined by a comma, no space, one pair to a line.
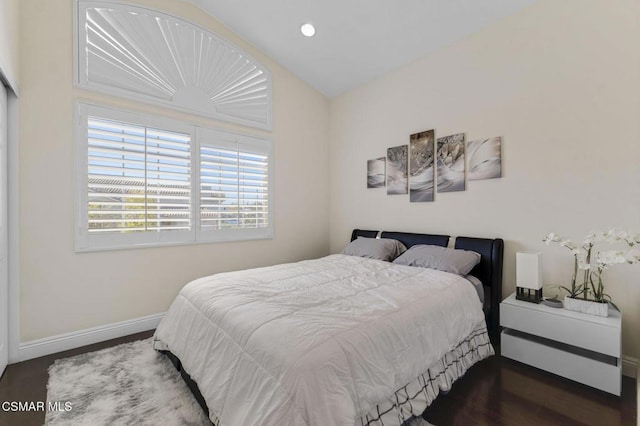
580,347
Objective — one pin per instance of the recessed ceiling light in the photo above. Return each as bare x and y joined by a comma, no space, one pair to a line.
308,30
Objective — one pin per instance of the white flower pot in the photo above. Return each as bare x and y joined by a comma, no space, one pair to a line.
586,306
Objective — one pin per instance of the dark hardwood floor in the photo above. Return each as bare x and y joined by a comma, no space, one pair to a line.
494,392
499,391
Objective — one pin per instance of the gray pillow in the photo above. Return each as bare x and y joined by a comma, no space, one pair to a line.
375,248
456,261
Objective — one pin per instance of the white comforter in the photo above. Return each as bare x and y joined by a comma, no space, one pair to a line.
318,342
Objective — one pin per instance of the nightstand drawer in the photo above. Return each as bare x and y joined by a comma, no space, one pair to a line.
592,333
594,370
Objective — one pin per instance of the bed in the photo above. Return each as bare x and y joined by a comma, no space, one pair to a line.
337,340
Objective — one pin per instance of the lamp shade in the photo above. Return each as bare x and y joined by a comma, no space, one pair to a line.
529,270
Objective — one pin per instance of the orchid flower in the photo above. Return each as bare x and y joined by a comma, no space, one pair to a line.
594,266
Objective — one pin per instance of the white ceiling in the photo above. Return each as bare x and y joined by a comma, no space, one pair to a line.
356,40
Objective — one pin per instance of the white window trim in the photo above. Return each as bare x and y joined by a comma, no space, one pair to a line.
82,81
86,242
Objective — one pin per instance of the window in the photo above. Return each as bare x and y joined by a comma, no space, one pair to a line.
234,183
139,178
149,56
145,181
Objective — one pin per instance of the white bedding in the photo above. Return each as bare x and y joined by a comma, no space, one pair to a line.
318,342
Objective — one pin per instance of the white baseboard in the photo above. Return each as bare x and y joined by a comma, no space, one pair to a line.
76,339
629,366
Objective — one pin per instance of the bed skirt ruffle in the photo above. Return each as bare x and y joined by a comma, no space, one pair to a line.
412,399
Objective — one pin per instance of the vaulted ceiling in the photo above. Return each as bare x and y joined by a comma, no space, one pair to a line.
356,40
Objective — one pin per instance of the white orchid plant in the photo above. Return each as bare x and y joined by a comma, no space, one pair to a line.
593,263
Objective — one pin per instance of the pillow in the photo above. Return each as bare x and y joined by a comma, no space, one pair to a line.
375,248
456,261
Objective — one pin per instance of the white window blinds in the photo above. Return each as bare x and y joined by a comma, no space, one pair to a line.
148,181
139,178
143,54
234,189
234,184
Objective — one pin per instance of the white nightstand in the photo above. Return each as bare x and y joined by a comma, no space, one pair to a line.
580,347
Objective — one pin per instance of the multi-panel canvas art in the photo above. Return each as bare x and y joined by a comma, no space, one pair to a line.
450,163
426,163
397,169
421,173
376,173
485,158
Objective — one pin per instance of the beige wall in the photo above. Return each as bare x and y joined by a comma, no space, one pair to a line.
62,291
9,51
560,81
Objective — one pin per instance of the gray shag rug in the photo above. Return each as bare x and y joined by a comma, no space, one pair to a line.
129,384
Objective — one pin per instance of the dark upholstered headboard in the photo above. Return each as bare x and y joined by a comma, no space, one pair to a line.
363,233
488,271
410,239
407,238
